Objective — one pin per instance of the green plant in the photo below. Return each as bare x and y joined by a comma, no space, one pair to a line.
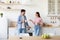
1,14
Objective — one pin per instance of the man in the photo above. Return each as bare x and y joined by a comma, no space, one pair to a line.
22,22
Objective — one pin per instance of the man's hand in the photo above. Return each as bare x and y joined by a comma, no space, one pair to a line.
29,28
23,21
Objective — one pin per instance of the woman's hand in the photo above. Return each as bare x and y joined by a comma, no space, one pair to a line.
41,24
30,20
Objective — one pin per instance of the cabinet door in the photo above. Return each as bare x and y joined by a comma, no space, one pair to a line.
48,31
57,31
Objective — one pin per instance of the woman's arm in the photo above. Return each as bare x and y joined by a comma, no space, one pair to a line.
32,21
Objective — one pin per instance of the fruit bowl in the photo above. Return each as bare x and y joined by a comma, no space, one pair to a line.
45,36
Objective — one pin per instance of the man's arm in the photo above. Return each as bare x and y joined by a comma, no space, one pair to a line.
26,22
19,20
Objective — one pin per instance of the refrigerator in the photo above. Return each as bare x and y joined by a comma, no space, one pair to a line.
3,28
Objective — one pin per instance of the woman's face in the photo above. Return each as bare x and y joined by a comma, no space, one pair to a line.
36,15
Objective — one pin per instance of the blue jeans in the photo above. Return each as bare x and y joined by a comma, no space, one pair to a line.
37,30
22,30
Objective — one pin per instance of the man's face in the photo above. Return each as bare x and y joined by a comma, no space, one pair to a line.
23,13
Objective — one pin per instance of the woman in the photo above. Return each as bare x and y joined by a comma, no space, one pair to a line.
38,23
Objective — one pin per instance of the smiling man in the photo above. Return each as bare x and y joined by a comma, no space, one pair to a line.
22,22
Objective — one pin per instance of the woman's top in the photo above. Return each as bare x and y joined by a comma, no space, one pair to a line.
37,21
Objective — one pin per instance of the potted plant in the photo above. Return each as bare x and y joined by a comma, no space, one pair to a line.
1,14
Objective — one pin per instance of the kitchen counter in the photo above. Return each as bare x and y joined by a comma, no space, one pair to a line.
33,38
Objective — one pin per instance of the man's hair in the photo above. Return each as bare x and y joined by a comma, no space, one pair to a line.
23,10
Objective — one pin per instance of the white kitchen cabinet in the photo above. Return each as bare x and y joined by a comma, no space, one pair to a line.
52,31
57,31
3,27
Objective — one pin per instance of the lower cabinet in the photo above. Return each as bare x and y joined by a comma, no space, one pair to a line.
51,31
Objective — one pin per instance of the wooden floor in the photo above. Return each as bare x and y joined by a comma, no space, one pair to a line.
33,38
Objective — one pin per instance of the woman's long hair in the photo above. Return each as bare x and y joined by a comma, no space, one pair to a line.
38,14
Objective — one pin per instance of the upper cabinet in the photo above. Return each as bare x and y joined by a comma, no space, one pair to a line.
54,7
51,6
58,6
54,11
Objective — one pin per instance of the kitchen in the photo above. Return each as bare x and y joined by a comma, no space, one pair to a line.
11,10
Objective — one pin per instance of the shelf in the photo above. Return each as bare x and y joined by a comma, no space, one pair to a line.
52,16
10,4
19,4
9,9
14,4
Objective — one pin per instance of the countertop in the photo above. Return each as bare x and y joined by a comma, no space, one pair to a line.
33,38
